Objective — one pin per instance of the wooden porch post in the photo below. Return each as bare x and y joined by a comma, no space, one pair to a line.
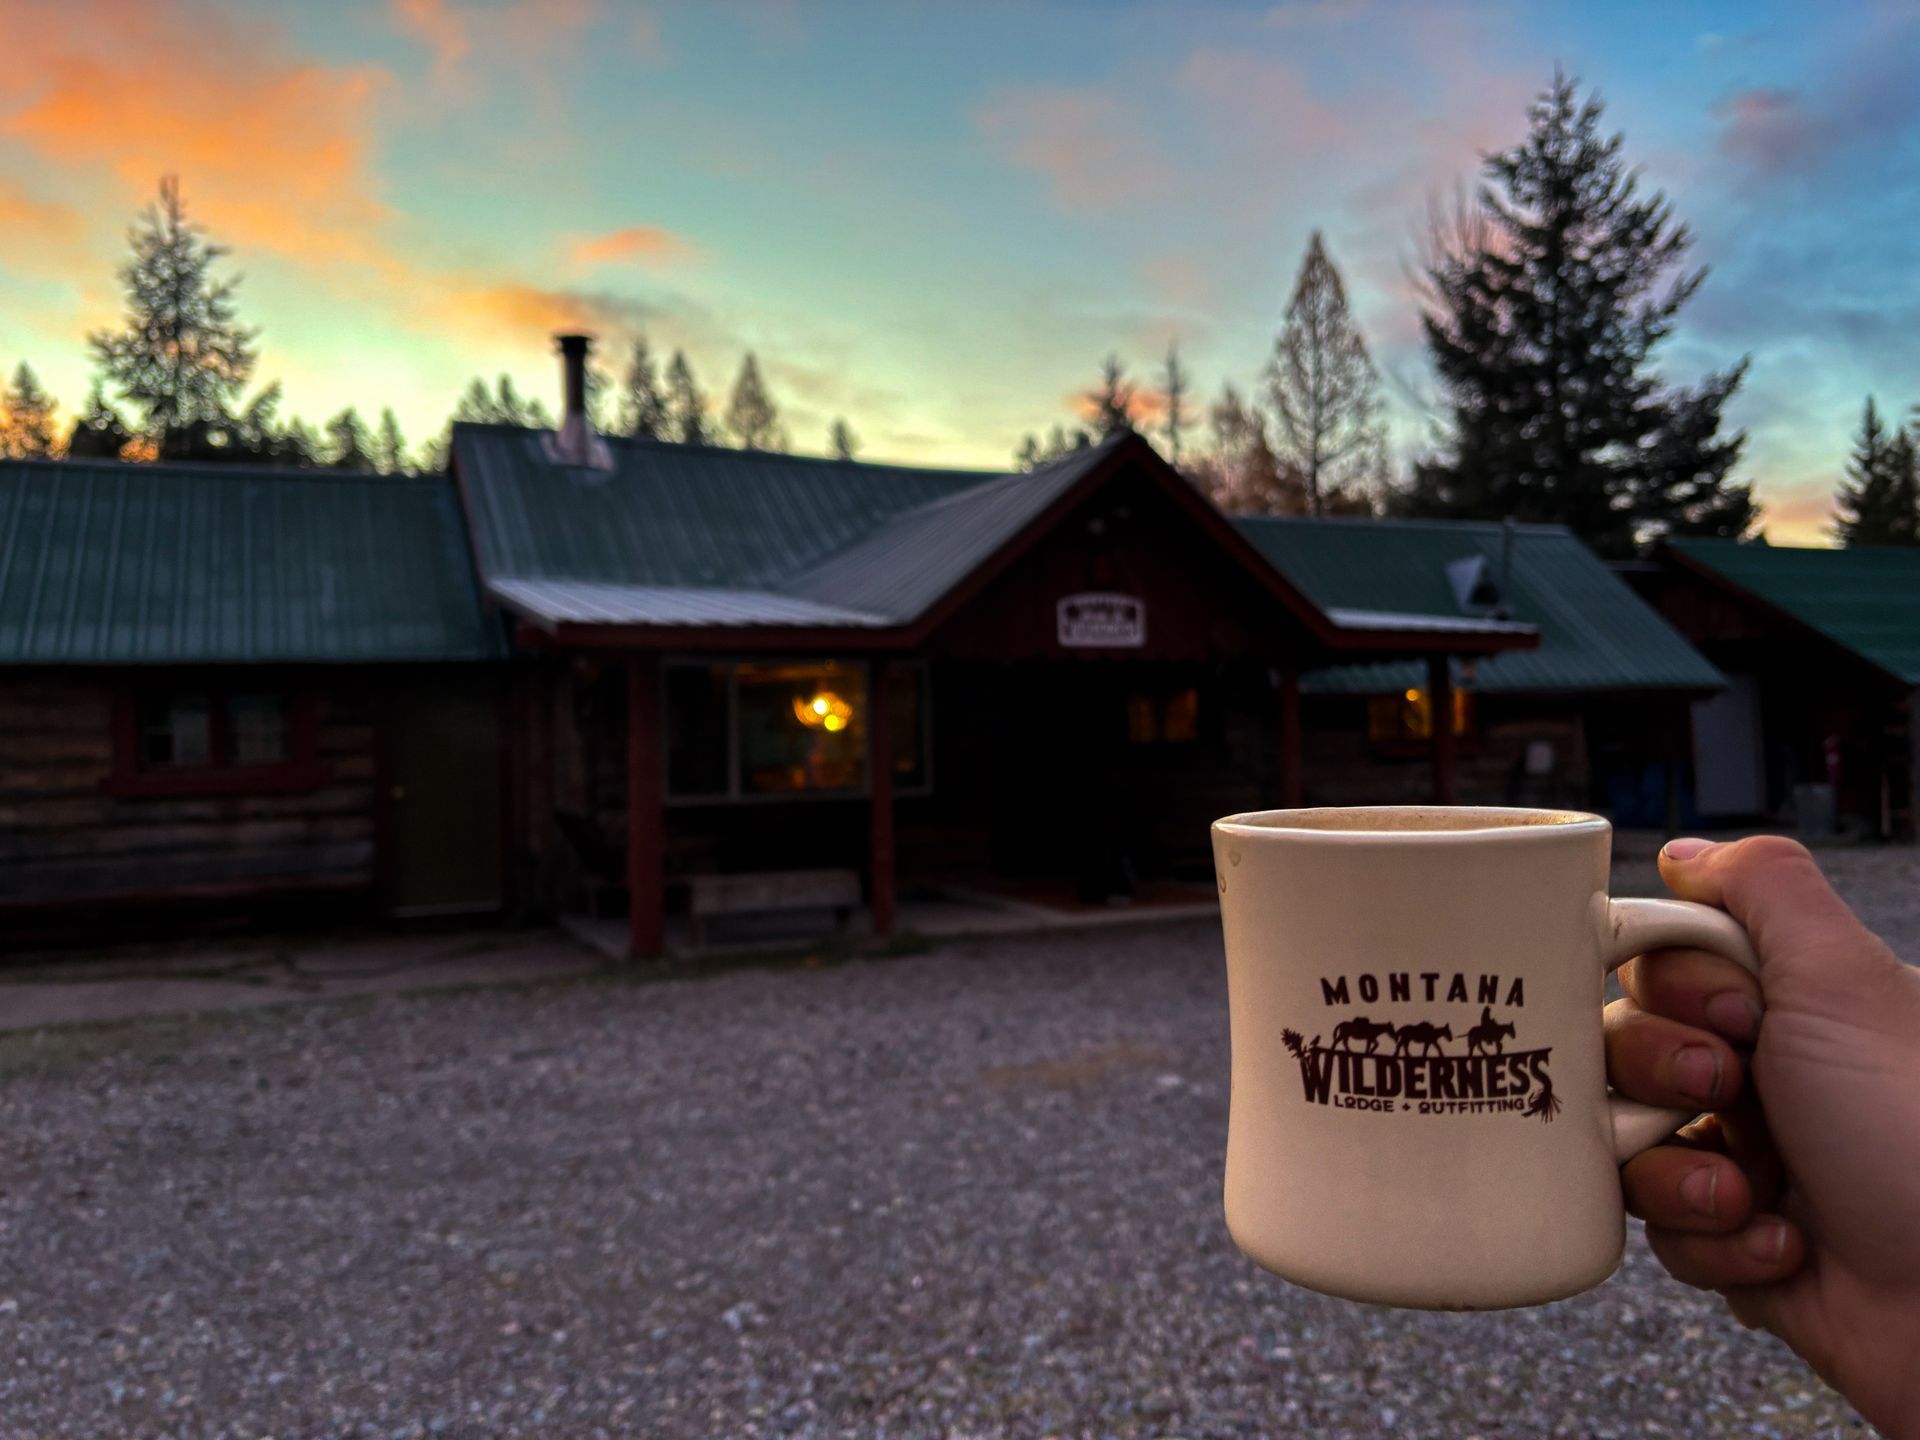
1913,764
646,816
880,879
1289,738
1440,708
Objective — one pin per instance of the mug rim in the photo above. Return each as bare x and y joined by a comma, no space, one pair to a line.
1512,821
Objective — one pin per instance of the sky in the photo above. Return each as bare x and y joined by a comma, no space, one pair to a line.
936,219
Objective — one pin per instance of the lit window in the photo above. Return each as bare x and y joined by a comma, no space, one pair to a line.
787,728
1408,716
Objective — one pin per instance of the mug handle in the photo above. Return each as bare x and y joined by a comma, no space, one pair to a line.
1634,927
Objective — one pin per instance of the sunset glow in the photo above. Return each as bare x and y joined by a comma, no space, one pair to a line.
935,221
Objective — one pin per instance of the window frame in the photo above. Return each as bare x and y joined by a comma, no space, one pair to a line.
735,796
132,778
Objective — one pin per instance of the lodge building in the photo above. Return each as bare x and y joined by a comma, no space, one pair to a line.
578,672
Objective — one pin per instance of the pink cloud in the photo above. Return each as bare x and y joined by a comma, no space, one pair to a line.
1768,130
440,27
1091,153
642,244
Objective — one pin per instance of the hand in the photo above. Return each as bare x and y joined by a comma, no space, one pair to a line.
1798,1198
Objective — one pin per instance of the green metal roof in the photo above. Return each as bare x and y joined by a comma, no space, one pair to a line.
1866,599
1595,633
698,534
113,563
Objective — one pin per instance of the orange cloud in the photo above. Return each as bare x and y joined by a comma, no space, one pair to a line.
22,217
644,244
271,148
440,27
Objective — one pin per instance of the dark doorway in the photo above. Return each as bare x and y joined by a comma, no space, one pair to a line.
443,797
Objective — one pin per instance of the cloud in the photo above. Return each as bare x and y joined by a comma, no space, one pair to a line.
272,149
28,222
642,244
440,27
1090,151
1866,97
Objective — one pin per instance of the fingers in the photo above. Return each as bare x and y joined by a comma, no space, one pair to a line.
1696,988
1767,1248
1674,1187
1771,885
1663,1062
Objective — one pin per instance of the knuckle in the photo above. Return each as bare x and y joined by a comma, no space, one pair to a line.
1767,853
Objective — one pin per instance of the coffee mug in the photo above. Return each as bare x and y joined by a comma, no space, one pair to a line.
1420,1113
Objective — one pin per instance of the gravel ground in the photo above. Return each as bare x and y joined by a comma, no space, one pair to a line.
967,1193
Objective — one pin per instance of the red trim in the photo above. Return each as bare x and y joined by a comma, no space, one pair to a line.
1445,746
303,769
880,858
646,814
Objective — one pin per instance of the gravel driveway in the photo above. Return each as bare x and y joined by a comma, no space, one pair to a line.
966,1193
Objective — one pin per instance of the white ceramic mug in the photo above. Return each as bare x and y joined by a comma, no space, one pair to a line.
1420,1113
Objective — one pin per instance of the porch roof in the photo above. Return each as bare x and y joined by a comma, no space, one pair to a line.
1595,633
678,538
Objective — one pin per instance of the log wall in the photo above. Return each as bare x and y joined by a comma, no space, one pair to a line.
64,838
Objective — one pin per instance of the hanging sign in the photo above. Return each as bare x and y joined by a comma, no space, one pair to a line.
1100,620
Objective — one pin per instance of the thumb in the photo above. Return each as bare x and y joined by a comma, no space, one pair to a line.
1811,944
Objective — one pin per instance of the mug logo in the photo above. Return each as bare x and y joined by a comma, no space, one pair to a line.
1388,1066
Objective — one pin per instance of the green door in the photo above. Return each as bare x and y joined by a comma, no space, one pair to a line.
444,779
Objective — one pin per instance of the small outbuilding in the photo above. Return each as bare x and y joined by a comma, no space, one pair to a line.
1821,649
1595,716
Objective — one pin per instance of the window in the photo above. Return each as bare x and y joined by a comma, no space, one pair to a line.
1407,718
767,729
194,741
802,727
1171,718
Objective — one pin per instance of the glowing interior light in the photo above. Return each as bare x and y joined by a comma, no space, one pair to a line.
825,711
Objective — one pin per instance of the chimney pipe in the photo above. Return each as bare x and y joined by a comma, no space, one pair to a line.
574,443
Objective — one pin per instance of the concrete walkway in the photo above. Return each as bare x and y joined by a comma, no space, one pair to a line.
182,977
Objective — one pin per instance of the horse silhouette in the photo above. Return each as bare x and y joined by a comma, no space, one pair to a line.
1368,1032
1487,1034
1425,1035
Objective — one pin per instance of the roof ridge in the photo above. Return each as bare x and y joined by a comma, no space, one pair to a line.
221,470
1406,522
729,452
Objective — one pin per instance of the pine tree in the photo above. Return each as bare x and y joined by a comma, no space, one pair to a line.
1175,381
1112,399
1875,501
1323,388
349,445
1028,454
643,409
389,446
841,441
100,433
1240,472
295,444
182,354
26,418
1543,316
752,418
686,406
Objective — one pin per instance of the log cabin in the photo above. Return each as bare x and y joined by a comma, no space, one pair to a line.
577,667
